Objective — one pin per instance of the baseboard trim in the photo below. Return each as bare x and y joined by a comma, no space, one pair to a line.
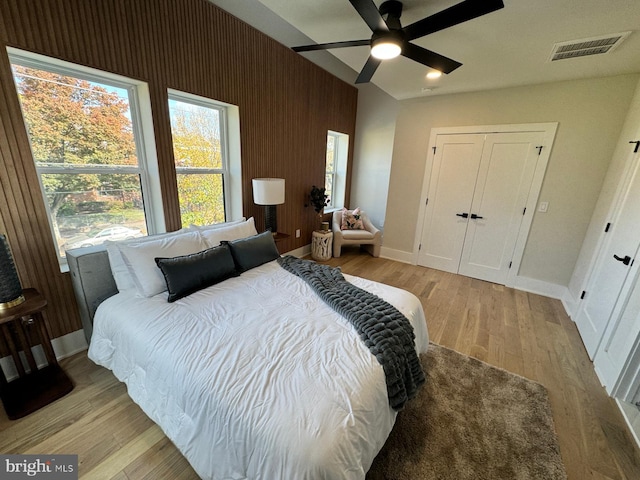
539,287
69,344
63,347
397,255
526,284
631,416
570,304
301,252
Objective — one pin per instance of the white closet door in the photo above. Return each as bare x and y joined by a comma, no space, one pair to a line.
610,272
622,332
501,192
452,183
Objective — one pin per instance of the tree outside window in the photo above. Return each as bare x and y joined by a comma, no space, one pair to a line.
83,145
199,149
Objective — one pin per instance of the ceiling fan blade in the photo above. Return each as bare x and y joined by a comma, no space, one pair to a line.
327,46
370,14
462,12
429,58
368,70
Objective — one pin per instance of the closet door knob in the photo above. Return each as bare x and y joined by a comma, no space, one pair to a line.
626,260
463,215
474,216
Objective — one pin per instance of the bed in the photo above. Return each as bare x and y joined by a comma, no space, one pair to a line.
254,377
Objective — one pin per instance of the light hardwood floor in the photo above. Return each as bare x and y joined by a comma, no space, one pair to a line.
524,333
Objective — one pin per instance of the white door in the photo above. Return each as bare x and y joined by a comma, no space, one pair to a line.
504,181
622,332
453,179
478,190
613,265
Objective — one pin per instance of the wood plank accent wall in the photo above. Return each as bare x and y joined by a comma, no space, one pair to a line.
286,104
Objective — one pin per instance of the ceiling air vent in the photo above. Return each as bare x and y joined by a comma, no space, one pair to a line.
587,46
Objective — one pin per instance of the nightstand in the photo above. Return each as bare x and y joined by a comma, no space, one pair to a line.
280,236
34,388
321,245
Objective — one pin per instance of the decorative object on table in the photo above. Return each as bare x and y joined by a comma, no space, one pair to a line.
368,236
269,192
10,287
325,226
21,327
321,245
318,199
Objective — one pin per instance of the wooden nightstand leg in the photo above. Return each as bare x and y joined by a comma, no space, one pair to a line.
8,336
45,338
3,379
24,343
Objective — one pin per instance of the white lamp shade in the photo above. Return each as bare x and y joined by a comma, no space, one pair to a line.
268,191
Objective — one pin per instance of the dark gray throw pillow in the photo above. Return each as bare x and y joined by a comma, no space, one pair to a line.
187,274
251,252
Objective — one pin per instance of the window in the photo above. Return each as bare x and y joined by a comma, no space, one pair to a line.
336,169
199,128
86,132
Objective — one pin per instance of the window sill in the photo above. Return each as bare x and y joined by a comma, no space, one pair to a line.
332,209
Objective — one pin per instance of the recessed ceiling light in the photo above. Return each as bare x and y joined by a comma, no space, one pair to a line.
434,74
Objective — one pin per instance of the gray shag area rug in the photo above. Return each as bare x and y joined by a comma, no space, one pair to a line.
471,421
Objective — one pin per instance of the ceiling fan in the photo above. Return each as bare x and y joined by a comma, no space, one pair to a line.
390,39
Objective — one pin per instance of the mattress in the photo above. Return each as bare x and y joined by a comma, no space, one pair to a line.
255,377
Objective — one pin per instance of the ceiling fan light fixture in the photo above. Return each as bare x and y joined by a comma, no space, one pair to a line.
432,75
385,48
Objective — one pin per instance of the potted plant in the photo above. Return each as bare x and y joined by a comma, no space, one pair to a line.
319,199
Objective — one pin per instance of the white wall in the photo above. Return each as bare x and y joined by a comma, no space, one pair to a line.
373,149
590,113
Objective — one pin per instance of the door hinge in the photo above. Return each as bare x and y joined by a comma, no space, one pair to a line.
427,202
419,247
606,229
582,295
434,150
524,211
637,142
540,147
510,263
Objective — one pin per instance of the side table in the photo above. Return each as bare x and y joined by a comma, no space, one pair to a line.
321,245
37,387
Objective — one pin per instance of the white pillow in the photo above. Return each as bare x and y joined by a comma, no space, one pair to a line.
215,226
214,236
140,259
119,269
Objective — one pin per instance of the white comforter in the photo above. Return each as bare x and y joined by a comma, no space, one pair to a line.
255,378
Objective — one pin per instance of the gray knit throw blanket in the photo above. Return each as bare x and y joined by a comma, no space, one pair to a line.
384,330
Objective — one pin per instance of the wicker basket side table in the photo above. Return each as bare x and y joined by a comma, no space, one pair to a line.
321,245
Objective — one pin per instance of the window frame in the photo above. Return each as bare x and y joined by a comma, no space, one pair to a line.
333,171
339,172
225,170
143,134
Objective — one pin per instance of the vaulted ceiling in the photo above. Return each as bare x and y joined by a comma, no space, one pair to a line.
508,47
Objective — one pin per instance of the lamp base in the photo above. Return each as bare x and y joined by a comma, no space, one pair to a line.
12,303
271,218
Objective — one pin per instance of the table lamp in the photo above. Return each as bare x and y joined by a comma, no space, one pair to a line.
269,192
